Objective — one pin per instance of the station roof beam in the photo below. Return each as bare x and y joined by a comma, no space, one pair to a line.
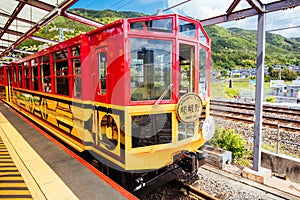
256,7
22,18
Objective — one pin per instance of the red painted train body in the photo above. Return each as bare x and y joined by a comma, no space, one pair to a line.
134,93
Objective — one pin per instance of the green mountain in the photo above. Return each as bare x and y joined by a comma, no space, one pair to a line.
231,48
106,16
236,48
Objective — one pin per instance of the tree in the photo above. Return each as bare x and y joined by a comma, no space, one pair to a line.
270,69
288,74
285,74
223,73
275,74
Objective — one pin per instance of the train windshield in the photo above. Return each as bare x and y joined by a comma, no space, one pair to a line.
150,69
159,25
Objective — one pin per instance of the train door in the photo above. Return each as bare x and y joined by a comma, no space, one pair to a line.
186,68
108,132
186,84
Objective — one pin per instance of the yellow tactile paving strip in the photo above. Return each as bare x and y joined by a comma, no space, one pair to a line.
41,180
12,185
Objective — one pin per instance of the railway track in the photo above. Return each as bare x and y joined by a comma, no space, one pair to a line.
194,193
273,116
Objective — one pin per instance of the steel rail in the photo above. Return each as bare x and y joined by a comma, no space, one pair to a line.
249,118
196,193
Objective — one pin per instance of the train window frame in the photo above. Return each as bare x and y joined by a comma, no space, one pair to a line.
27,75
203,84
76,73
75,51
102,71
190,73
61,72
45,78
187,28
60,55
20,75
35,75
145,82
77,78
164,25
14,76
151,129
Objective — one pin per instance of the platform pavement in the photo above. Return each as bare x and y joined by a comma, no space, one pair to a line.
50,171
270,181
41,180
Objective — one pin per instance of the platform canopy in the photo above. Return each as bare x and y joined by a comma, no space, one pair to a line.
20,19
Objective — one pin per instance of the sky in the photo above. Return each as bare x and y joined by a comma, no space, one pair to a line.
289,20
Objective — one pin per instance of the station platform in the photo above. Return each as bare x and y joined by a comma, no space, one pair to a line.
33,167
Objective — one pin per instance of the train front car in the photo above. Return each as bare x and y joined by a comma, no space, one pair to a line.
154,80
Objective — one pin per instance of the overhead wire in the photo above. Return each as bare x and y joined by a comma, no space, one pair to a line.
122,6
91,4
116,3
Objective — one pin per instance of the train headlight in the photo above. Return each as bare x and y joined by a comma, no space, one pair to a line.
208,128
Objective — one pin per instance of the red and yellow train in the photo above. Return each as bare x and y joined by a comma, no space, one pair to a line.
134,93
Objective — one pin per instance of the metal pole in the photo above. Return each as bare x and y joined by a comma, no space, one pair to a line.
259,91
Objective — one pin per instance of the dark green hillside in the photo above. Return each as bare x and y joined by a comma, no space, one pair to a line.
231,48
236,48
106,16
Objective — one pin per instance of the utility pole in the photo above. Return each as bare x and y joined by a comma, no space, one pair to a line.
259,91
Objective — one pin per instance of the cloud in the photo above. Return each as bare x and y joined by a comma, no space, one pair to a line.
207,9
203,9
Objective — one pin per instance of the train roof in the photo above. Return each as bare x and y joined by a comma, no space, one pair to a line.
77,39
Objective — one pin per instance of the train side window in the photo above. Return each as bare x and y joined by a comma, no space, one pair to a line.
76,51
185,130
102,64
77,77
187,28
35,78
20,78
14,73
158,25
61,72
46,77
76,71
61,77
34,74
202,72
63,54
27,75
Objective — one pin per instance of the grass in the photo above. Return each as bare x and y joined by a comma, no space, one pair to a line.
243,86
272,148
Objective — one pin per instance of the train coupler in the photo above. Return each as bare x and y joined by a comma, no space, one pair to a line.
190,162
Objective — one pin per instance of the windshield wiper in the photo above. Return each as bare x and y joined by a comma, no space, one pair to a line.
163,95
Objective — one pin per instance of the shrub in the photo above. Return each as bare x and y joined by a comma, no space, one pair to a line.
228,140
271,99
232,93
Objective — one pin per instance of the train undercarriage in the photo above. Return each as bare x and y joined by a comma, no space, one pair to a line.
184,169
